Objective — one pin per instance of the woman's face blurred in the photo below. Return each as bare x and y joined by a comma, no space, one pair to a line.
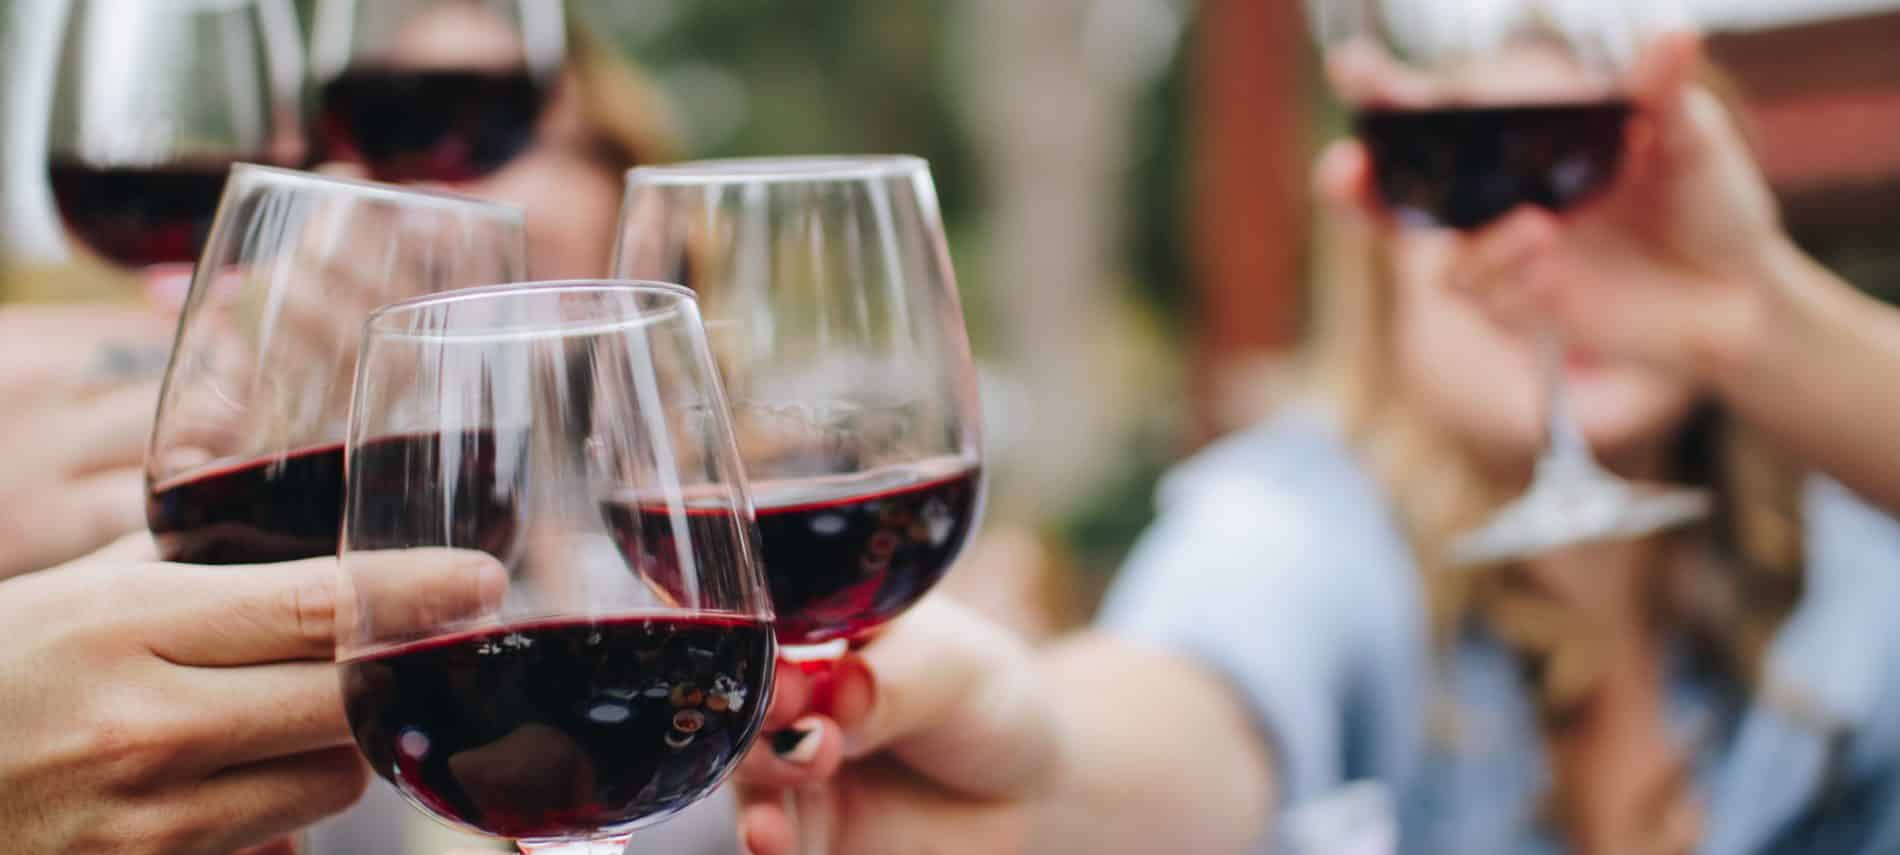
570,198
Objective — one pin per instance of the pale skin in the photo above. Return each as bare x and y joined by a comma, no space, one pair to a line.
947,735
79,384
188,709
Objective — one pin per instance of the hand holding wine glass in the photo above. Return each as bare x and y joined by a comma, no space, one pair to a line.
951,734
1493,121
1678,259
180,709
575,432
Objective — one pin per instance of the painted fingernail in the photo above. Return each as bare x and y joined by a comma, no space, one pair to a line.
797,744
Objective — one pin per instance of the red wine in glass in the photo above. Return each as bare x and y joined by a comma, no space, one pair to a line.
428,125
139,215
563,728
841,559
1463,167
842,563
290,507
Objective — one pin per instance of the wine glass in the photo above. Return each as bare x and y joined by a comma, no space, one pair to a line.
833,313
152,104
433,90
246,461
1470,110
575,434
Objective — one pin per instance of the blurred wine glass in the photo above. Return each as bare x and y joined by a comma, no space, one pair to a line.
152,103
433,90
1471,109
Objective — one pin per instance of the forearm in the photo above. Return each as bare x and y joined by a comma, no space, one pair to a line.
1157,756
1816,366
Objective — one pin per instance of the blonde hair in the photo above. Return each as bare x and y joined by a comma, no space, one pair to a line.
630,121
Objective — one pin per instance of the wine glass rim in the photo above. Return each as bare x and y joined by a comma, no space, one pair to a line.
779,170
376,324
381,189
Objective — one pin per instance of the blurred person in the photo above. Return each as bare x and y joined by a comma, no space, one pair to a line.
1289,658
598,118
179,709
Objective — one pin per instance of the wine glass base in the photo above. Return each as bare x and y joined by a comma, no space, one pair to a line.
804,655
1554,516
605,846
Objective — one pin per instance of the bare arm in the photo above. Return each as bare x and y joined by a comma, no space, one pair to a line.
1815,364
1163,760
954,731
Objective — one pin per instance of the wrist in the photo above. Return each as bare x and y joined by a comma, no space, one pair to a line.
1772,312
1737,326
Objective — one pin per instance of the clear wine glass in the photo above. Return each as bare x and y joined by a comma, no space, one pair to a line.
1469,110
152,103
246,461
433,90
833,312
575,434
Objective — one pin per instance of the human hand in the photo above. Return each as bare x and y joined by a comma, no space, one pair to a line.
79,385
1671,267
177,708
937,731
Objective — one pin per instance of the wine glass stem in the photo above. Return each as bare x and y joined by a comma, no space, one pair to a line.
811,808
603,846
1566,452
811,811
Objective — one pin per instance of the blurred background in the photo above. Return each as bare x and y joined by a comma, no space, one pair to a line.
1125,184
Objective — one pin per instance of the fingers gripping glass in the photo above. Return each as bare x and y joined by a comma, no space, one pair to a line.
572,435
246,461
1470,110
433,90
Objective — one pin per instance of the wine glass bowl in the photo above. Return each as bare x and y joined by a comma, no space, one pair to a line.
832,309
623,667
433,90
246,460
152,102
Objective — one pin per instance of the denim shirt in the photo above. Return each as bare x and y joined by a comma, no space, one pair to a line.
1277,564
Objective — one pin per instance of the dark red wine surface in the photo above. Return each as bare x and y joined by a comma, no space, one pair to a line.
289,507
1464,167
841,558
280,509
428,125
135,216
563,729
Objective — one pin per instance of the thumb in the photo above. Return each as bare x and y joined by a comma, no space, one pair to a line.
954,697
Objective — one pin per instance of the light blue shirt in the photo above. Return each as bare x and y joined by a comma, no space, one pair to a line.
1277,563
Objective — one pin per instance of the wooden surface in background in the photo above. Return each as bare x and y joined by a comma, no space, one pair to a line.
1251,132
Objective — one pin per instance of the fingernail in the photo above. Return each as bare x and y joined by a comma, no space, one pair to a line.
797,744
